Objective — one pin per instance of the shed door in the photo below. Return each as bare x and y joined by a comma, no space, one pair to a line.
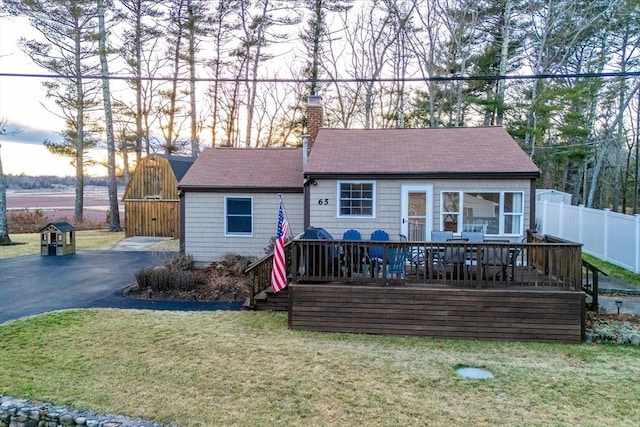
417,211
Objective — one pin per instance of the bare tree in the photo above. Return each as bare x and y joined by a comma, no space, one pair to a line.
343,102
221,31
197,28
426,45
316,33
261,27
371,39
140,40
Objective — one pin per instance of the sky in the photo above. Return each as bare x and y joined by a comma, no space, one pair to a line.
21,104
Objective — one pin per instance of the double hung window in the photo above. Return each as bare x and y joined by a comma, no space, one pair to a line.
238,216
356,199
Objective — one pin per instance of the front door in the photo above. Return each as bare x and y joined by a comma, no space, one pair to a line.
417,212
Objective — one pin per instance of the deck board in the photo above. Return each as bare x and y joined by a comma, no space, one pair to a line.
542,314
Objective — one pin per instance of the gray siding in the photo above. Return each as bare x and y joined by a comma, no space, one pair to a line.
204,230
388,200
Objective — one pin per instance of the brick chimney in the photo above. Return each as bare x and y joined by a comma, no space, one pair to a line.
314,117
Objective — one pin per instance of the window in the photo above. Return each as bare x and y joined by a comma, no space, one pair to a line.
451,210
152,182
492,213
356,199
513,213
239,216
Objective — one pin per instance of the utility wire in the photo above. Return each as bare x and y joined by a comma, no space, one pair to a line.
351,80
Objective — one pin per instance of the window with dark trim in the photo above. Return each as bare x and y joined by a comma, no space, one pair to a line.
356,198
239,216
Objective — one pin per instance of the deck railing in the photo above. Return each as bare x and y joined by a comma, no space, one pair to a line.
259,273
456,264
449,264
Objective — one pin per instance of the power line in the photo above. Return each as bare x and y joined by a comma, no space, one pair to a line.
350,80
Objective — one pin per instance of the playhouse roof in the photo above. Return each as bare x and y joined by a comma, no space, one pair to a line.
60,226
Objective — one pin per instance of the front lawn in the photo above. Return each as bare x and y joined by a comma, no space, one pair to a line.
247,368
86,240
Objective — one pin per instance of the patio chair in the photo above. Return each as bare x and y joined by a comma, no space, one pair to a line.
376,251
354,255
441,236
473,236
495,261
396,259
451,261
352,235
416,256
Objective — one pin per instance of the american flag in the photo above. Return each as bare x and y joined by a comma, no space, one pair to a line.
279,270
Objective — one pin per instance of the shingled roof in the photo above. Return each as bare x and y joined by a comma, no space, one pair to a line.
246,168
473,151
180,164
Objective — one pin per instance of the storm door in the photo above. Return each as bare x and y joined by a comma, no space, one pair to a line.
417,212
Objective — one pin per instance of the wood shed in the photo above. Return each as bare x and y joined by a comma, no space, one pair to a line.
151,202
58,238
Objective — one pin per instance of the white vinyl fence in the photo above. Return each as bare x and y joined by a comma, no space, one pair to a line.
610,236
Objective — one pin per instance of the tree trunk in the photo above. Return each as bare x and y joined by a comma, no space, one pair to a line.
251,92
600,158
138,68
79,201
4,227
195,143
114,217
504,58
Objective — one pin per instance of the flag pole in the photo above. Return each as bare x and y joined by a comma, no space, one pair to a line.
284,209
279,269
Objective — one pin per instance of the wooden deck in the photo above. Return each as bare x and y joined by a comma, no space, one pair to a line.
536,295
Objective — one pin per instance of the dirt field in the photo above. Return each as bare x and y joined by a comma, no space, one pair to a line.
59,203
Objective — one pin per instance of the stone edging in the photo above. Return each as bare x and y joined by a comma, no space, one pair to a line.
21,412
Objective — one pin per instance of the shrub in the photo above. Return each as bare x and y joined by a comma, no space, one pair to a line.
162,279
180,263
235,264
31,221
26,221
177,274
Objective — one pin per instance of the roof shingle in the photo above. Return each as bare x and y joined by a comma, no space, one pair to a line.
481,150
276,168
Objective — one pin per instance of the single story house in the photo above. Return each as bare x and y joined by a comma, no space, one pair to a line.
413,181
230,199
405,181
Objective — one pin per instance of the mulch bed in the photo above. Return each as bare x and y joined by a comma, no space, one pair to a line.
219,283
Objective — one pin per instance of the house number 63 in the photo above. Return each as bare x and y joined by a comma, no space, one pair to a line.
323,201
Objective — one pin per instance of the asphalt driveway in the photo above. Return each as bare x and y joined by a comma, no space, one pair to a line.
37,284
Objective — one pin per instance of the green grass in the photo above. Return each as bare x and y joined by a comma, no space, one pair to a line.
89,240
247,368
29,244
613,270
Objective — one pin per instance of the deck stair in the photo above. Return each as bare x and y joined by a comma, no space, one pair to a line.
267,300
